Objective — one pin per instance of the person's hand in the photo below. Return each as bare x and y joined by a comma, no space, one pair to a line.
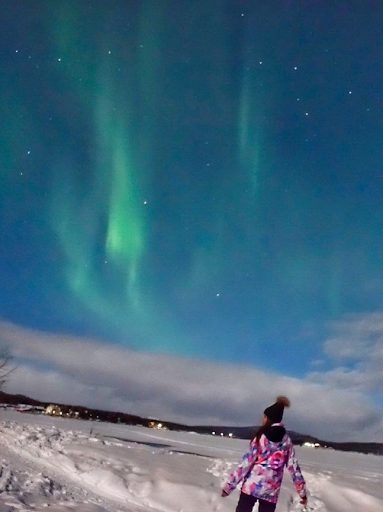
224,494
304,501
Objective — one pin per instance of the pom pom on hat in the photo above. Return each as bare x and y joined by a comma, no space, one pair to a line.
283,400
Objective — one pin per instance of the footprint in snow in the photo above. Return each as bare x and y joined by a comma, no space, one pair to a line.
220,469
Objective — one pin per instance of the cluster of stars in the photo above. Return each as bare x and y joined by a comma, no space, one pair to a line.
208,164
306,114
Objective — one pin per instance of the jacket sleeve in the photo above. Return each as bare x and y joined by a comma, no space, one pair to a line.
295,471
243,468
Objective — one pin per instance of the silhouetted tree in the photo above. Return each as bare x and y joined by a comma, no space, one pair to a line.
5,365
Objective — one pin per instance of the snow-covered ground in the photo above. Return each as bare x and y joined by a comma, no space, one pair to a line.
71,465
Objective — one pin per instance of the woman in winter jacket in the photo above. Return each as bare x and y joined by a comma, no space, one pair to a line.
261,469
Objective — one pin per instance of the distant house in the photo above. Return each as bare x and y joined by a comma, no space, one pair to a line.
53,410
24,408
31,409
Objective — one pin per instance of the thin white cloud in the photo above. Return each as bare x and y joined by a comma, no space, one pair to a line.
82,371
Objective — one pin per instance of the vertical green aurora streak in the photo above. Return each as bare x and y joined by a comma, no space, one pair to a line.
112,204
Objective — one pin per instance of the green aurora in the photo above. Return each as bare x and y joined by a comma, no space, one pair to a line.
198,178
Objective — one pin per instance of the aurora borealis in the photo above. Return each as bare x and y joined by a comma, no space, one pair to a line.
197,178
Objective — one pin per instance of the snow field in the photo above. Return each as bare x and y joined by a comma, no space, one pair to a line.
96,467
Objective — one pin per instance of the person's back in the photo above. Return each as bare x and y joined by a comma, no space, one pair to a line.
261,469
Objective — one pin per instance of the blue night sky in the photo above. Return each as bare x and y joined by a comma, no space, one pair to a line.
201,179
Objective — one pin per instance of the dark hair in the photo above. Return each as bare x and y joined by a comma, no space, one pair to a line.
262,429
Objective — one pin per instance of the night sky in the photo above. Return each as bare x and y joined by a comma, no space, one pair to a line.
199,178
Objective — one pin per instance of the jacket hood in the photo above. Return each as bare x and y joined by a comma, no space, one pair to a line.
275,433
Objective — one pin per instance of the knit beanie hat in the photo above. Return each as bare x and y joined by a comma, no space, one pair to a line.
275,411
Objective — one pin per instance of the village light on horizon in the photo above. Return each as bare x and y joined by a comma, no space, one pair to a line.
312,445
158,426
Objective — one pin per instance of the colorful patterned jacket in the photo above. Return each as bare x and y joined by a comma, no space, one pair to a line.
261,469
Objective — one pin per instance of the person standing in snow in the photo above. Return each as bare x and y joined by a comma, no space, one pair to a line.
261,469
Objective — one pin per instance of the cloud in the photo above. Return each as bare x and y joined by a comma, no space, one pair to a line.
60,368
356,345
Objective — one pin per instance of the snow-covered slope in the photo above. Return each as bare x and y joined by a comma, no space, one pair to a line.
71,465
